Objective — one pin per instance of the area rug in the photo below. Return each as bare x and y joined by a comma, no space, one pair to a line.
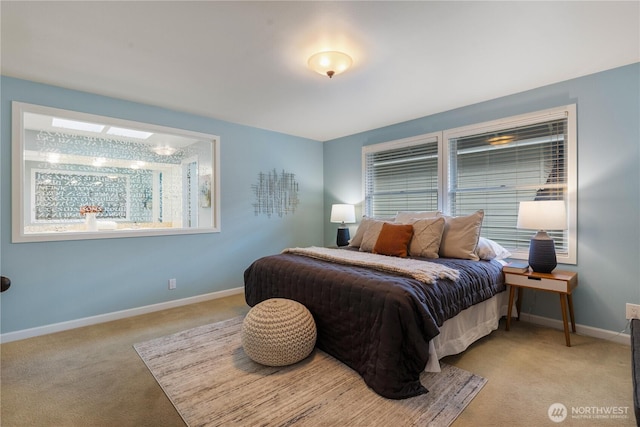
211,382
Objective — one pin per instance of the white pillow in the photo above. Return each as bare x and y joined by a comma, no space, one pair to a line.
371,235
461,235
488,249
409,217
427,234
356,241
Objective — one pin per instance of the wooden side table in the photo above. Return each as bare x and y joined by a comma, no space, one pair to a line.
560,282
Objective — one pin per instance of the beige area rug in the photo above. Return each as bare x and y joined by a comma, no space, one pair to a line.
211,382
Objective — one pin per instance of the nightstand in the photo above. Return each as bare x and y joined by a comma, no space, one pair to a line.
560,282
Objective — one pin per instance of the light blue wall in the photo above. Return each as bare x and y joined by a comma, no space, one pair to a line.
608,107
60,281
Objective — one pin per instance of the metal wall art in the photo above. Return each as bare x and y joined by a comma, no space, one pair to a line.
275,193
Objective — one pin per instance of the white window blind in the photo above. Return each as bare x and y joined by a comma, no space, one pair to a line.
490,166
496,170
401,176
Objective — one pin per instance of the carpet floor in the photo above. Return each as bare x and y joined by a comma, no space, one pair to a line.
93,376
211,381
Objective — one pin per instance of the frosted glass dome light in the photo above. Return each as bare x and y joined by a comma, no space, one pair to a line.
330,63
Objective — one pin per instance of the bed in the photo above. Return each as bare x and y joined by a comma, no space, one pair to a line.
388,317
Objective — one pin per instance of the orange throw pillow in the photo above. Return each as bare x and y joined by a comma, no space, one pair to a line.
394,240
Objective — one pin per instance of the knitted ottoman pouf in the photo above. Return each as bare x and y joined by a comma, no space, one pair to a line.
278,332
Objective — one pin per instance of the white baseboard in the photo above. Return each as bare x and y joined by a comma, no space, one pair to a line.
116,315
617,337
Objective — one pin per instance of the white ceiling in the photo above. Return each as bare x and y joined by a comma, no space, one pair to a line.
245,62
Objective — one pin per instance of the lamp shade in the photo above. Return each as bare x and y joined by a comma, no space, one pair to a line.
329,63
542,215
343,213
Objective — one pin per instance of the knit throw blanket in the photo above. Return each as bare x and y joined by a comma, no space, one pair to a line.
424,271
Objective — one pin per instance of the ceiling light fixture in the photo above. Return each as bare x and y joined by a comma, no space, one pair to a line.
501,139
330,63
164,150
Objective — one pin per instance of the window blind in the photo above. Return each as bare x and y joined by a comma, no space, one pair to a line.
401,178
494,171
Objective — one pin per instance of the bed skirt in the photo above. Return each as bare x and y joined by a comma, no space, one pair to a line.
459,332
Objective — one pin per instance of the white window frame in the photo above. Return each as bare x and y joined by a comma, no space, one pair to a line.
571,154
434,137
568,112
21,192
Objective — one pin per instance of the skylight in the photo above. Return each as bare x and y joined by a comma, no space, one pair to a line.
75,125
130,133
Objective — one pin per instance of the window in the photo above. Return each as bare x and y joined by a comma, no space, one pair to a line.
491,166
81,176
496,165
401,176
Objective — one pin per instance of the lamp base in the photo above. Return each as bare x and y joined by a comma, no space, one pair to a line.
343,236
542,255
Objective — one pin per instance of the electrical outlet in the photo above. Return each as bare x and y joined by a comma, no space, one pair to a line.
172,283
633,311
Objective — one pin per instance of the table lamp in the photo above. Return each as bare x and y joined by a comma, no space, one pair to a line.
343,214
541,216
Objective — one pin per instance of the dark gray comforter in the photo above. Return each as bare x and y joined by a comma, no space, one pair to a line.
377,323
